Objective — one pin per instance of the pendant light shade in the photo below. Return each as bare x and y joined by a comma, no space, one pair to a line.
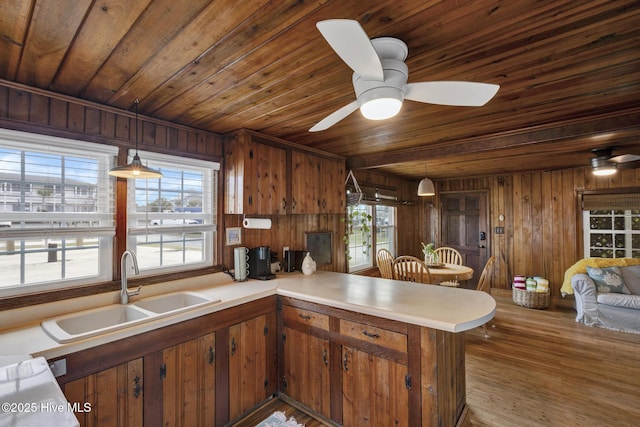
135,169
426,188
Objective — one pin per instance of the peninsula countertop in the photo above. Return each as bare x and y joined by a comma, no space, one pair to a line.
438,307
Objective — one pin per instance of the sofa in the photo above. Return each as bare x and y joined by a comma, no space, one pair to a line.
607,292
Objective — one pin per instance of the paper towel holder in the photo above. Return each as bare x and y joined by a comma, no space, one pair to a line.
257,223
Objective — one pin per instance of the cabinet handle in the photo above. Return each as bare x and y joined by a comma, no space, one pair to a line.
293,204
211,355
284,203
305,316
345,361
136,387
233,346
325,357
370,335
250,200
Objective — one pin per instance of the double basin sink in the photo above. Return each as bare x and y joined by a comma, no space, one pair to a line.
90,323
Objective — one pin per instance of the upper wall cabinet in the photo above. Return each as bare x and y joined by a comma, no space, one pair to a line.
268,176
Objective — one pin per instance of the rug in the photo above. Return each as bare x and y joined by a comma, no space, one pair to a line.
279,419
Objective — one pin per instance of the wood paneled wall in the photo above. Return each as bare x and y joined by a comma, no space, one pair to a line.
32,110
289,230
542,222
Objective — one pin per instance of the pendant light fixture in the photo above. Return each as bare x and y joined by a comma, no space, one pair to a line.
426,187
135,169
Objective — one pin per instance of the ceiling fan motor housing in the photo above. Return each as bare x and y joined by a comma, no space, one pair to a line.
393,86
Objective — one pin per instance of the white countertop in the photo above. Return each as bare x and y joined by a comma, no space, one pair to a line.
448,309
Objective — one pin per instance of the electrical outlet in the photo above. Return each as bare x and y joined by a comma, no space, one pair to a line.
58,367
499,230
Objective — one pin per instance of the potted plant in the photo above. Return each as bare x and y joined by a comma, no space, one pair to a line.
362,220
430,255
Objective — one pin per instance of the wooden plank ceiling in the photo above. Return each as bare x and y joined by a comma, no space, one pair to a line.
569,73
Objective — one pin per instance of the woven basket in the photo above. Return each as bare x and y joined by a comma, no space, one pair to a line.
538,300
354,195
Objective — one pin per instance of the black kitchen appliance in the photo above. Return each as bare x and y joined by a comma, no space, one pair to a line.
260,263
293,260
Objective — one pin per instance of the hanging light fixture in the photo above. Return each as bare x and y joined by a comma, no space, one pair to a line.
426,188
135,169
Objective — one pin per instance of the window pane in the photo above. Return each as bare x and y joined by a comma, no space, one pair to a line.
57,212
172,219
612,234
359,234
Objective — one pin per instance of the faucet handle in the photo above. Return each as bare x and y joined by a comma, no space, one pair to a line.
136,292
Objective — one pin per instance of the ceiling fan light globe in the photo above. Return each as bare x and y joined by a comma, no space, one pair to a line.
381,108
603,166
604,170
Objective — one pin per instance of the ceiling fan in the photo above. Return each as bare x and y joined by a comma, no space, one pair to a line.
605,163
380,76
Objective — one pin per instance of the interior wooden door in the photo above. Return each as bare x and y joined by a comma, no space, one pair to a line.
465,227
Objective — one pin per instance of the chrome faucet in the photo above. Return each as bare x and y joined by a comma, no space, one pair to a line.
125,293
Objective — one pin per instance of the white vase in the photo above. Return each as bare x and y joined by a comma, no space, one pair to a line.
308,265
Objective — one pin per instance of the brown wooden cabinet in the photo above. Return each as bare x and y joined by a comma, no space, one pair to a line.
376,371
188,383
374,390
268,176
306,373
255,176
249,375
201,372
115,396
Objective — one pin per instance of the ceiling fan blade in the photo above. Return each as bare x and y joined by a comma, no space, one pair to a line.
349,40
462,94
624,158
335,117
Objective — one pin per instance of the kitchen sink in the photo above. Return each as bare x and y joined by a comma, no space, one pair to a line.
90,323
173,302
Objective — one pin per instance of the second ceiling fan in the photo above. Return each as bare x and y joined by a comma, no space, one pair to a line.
380,76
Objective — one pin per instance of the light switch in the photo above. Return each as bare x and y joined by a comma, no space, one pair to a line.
499,230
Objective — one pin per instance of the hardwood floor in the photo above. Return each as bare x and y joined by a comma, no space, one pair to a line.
290,409
541,368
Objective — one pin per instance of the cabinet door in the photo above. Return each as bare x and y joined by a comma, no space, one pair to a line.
374,390
306,370
188,385
332,196
248,359
305,183
115,396
265,179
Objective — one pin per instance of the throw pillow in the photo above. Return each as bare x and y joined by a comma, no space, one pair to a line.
631,275
608,279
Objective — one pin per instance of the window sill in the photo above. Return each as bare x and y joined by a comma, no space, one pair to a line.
97,288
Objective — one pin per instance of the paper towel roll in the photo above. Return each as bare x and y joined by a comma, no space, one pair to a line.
264,223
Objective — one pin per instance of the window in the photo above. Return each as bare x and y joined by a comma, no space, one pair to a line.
50,235
172,220
369,228
611,224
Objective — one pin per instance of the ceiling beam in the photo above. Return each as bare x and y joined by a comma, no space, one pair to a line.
616,127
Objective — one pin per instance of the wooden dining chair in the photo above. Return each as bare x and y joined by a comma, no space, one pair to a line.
484,286
449,255
384,259
411,269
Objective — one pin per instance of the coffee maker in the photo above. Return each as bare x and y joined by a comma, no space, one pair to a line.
260,263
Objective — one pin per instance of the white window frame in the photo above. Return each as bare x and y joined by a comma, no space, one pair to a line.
101,223
358,252
628,233
179,221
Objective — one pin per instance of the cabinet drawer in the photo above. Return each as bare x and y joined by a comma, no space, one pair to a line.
311,318
378,336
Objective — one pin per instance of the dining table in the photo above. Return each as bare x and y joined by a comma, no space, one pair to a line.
443,272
